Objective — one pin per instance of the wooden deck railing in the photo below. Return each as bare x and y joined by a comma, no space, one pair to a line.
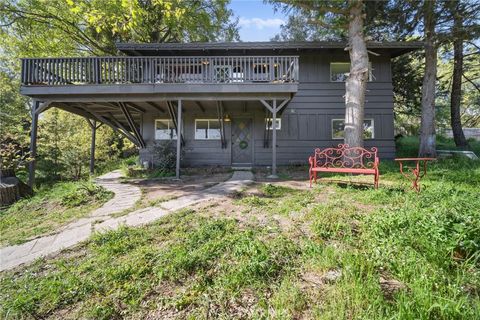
127,70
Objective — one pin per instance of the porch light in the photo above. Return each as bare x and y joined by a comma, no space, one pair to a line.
205,62
227,118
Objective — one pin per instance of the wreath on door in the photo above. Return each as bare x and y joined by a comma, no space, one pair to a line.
243,144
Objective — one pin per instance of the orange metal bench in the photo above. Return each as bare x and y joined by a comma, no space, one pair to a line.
345,159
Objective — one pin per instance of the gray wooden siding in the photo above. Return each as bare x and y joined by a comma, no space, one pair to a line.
306,121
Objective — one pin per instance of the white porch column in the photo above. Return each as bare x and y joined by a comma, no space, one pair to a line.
179,139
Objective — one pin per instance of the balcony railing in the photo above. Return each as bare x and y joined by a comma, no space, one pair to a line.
153,70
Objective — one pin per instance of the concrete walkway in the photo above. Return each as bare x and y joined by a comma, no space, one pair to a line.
125,197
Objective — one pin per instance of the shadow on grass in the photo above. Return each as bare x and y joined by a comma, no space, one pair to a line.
357,185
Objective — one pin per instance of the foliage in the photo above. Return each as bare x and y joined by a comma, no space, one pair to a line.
162,164
84,193
164,155
470,103
408,146
300,28
64,145
137,171
95,26
49,209
14,113
13,155
327,21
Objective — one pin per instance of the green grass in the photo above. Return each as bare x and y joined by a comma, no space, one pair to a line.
138,172
49,209
198,265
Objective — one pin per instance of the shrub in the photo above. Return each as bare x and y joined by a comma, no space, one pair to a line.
164,155
14,153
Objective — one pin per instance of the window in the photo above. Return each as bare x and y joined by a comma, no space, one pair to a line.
269,126
338,127
339,71
207,129
165,130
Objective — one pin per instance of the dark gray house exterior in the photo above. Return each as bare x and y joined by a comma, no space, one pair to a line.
235,104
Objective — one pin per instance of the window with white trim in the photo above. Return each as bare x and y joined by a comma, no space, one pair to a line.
339,71
338,129
278,124
165,130
207,129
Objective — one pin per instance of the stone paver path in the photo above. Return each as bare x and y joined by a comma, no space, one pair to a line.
125,197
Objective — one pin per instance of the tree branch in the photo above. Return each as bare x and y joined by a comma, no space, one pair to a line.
473,83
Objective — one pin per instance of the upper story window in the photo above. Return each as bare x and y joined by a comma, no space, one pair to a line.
165,130
339,71
338,129
207,129
269,122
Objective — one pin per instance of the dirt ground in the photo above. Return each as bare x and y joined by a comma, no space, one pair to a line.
164,189
157,190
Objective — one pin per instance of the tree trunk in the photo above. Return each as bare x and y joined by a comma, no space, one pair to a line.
427,127
11,188
356,83
456,94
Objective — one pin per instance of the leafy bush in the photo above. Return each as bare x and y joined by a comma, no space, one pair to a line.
164,160
14,153
164,155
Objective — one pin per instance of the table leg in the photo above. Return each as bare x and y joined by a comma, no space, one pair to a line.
416,186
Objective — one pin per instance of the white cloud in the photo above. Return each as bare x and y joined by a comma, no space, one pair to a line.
260,23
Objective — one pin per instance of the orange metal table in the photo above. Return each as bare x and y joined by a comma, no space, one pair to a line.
415,173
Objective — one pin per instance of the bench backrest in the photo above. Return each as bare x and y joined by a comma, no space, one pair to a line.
346,157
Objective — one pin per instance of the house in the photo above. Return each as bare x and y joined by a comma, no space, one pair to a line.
234,104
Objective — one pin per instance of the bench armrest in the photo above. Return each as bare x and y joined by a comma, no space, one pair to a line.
377,162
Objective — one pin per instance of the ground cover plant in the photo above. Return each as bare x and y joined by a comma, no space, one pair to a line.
49,209
279,250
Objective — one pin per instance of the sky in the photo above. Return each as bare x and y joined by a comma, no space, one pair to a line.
257,21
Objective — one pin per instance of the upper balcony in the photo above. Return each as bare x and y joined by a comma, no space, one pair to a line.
59,78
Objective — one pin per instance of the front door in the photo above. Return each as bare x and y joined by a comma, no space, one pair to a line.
242,142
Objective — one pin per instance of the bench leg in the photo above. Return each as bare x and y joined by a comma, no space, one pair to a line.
310,176
315,176
377,177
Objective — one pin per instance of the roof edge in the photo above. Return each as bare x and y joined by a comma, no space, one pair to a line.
263,45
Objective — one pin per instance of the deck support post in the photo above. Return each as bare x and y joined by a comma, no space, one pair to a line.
93,125
37,108
274,140
179,140
92,147
274,109
33,144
